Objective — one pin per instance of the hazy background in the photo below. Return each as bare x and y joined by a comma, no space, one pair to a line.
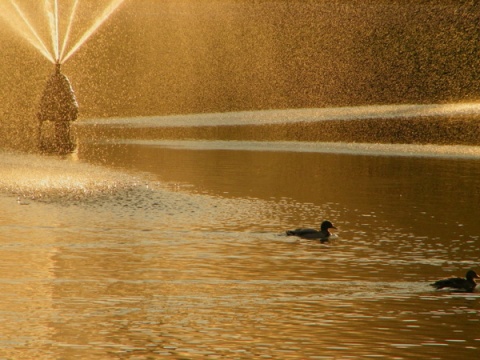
161,57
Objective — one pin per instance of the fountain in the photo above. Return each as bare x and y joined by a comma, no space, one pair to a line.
58,104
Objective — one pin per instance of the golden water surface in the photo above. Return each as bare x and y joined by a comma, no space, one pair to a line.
175,249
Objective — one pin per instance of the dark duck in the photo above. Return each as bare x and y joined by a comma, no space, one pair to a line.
468,284
312,234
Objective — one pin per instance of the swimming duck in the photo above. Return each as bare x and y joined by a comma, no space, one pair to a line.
468,284
312,234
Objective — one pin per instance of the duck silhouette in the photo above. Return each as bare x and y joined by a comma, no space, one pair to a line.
468,284
312,234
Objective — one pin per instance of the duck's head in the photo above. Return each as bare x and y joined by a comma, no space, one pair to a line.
472,275
326,225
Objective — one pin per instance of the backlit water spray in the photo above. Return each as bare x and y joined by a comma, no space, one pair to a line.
11,12
61,46
69,27
52,13
58,104
109,10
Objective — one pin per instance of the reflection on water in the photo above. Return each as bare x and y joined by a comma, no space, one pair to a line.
175,250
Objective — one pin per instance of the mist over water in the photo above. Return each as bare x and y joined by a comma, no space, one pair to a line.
298,115
153,58
169,57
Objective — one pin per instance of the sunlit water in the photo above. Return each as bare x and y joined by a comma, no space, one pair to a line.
156,249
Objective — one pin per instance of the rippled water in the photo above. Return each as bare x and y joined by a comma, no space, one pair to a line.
175,249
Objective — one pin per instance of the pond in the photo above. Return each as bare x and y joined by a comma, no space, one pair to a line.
153,249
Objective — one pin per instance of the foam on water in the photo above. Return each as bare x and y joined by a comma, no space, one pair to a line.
37,176
118,194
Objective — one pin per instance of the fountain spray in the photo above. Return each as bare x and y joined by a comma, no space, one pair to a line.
58,105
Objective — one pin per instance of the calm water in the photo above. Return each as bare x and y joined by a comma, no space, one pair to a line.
174,249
